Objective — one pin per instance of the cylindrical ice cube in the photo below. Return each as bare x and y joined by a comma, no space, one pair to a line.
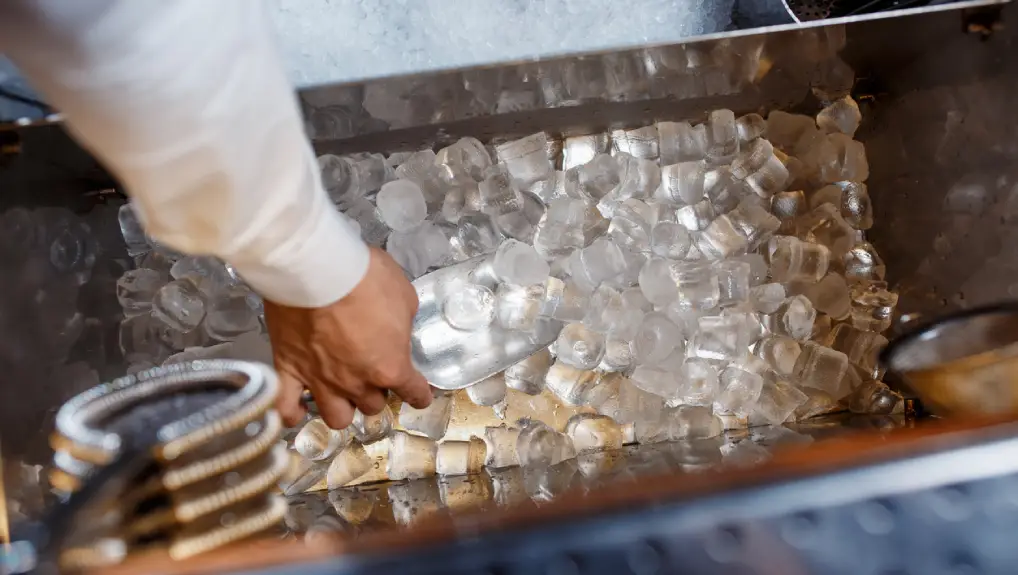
461,457
411,456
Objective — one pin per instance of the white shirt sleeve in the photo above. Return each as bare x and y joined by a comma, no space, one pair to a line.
188,104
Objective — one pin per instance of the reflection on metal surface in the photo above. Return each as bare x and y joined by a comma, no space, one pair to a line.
452,358
962,364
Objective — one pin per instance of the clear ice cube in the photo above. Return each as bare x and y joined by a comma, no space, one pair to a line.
682,183
419,249
681,142
528,376
655,339
670,240
488,391
526,158
518,263
722,239
830,296
750,127
794,260
823,368
639,143
722,136
410,456
229,315
698,382
578,150
842,115
179,304
132,232
740,391
697,284
137,288
719,338
863,263
570,384
825,226
499,195
696,217
518,307
779,351
469,307
579,346
767,298
373,229
778,401
539,446
733,282
432,421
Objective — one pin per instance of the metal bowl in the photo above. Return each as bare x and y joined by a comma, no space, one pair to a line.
962,364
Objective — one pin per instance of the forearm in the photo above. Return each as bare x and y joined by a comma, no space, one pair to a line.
188,104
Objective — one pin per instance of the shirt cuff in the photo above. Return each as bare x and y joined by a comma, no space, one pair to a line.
325,267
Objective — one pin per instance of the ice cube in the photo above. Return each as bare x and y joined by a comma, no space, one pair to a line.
843,159
797,316
681,142
590,432
842,115
578,150
778,401
137,288
733,282
740,391
750,127
489,391
475,235
722,137
460,457
466,159
179,304
595,179
757,267
723,190
694,422
720,338
421,169
861,347
785,130
824,225
500,444
751,158
551,188
830,296
570,384
823,368
779,351
722,239
767,298
817,403
697,285
873,397
698,382
132,232
539,446
639,143
411,456
528,376
229,315
670,240
794,260
631,225
873,305
579,347
696,217
772,177
638,178
469,307
372,229
347,466
602,260
518,263
419,249
655,339
604,310
564,300
317,441
863,263
431,421
518,307
754,222
526,158
658,281
371,428
370,172
499,195
522,225
788,207
682,183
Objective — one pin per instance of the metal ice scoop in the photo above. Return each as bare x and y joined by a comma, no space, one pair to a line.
451,358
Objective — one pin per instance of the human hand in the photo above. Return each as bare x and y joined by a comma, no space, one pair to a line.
349,352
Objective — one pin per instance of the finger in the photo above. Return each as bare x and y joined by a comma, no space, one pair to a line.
288,402
371,402
414,390
336,410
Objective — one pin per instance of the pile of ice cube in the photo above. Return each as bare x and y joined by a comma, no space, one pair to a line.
180,308
708,277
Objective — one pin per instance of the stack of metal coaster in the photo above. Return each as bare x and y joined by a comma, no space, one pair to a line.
204,442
